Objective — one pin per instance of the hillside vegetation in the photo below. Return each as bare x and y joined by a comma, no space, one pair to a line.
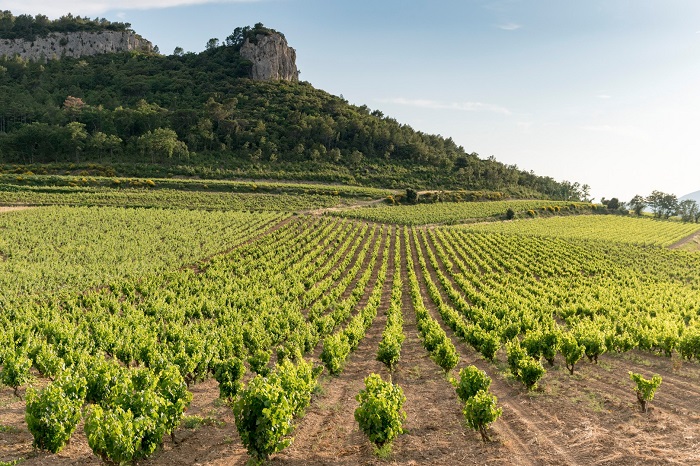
198,114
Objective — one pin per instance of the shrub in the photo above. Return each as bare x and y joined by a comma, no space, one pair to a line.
480,411
264,417
173,389
15,371
390,348
335,350
689,344
259,362
471,381
111,434
571,351
510,214
530,372
52,414
593,340
445,355
46,361
490,344
550,343
514,354
298,381
411,196
645,388
380,414
229,374
532,343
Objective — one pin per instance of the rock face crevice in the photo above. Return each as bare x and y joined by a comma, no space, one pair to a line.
272,58
75,44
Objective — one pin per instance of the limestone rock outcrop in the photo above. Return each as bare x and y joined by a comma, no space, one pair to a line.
272,58
75,44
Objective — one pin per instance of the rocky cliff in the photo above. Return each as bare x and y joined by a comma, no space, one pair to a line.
75,44
272,58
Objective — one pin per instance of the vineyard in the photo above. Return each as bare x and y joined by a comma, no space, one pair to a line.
456,212
183,337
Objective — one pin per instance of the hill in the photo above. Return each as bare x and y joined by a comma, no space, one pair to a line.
145,114
695,196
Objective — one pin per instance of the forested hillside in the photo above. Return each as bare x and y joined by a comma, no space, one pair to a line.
192,112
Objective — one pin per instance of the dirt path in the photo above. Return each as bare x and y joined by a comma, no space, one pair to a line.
689,243
356,205
13,208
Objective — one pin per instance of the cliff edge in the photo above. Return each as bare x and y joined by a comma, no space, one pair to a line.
74,44
272,59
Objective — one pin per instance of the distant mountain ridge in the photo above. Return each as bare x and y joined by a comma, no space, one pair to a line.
695,196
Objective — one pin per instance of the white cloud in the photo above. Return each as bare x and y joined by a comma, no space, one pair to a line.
509,26
436,105
91,8
604,96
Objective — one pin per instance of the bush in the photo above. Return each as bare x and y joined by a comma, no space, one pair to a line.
532,342
571,351
515,353
229,374
259,362
510,214
411,196
52,414
689,344
264,417
445,355
490,344
480,411
111,434
593,340
389,351
335,350
15,371
550,342
173,389
530,372
380,414
299,382
645,388
471,381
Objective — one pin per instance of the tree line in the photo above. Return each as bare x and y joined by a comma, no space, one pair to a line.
28,27
662,205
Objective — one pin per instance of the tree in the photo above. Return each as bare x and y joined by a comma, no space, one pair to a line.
411,196
637,204
212,43
162,142
77,138
178,52
688,210
664,205
613,204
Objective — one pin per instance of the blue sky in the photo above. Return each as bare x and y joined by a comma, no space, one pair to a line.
601,92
